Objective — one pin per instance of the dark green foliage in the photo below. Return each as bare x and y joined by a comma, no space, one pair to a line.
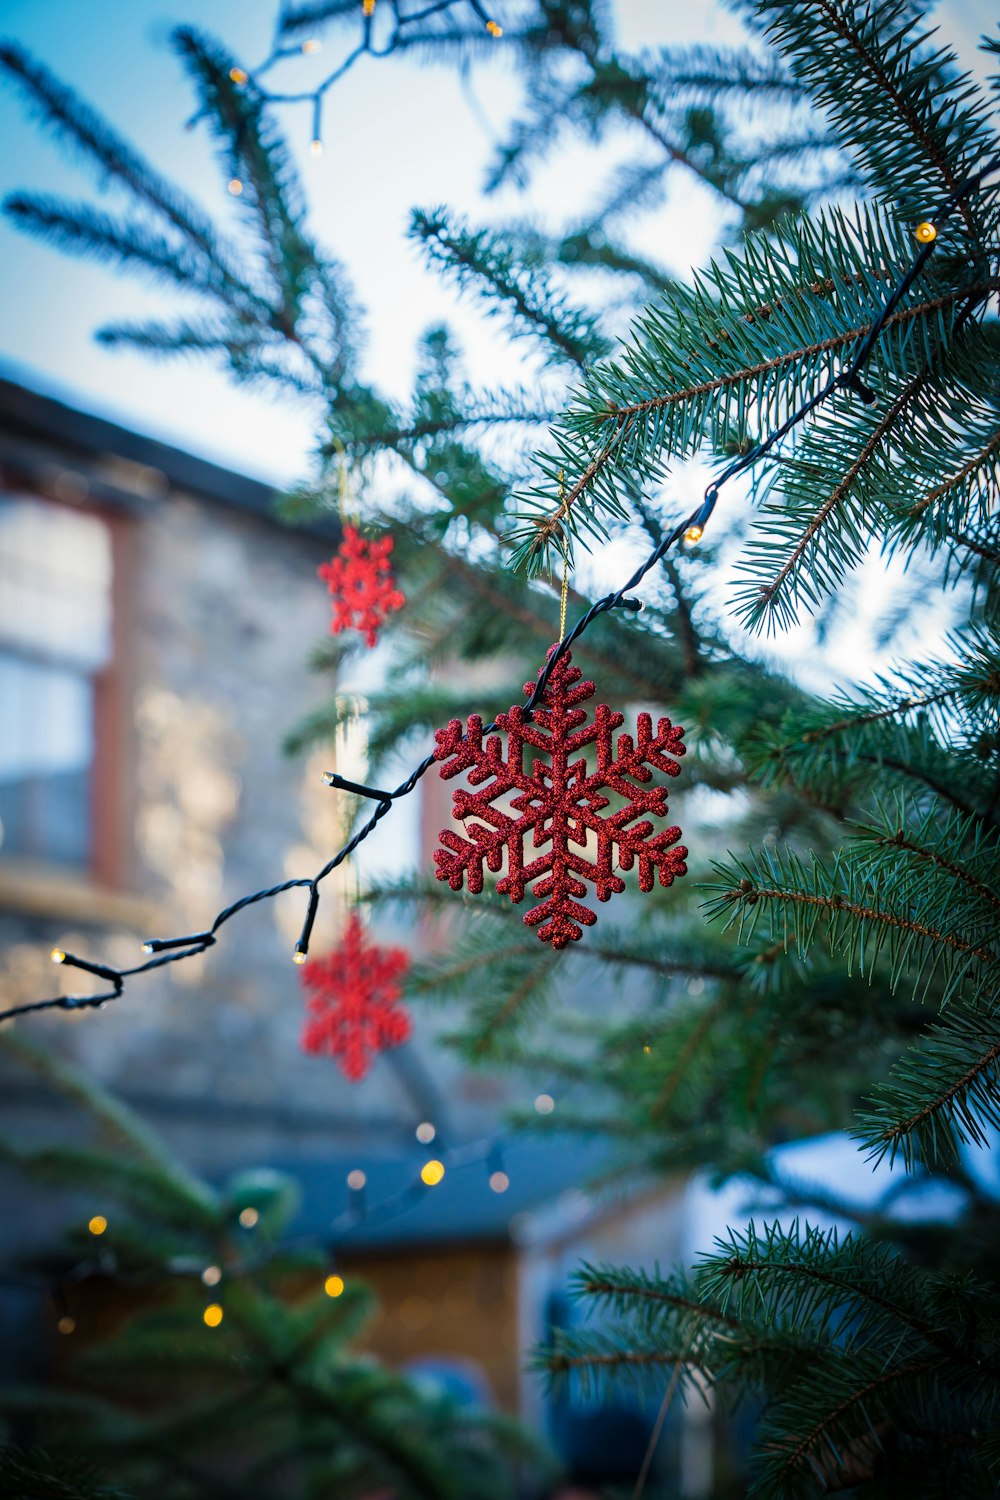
869,1367
846,977
273,1400
36,1475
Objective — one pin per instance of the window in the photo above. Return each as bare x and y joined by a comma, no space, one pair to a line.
55,642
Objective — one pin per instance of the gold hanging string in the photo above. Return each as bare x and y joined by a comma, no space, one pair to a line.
564,596
344,488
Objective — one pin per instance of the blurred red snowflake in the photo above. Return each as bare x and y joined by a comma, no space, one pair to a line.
354,1010
361,584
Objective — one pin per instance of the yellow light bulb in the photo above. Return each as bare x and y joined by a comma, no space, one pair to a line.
212,1316
694,533
333,1286
238,75
926,233
98,1224
58,956
431,1173
367,7
298,957
235,186
494,28
148,948
66,1325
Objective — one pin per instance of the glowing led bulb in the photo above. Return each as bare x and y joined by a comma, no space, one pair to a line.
299,956
66,1325
694,533
316,147
238,75
98,1224
367,7
545,1104
333,1286
235,186
426,1133
311,44
212,1316
499,1182
57,956
431,1173
211,1275
249,1217
356,1179
494,28
148,948
926,233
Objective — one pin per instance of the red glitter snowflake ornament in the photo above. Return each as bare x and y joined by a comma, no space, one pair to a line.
353,1009
361,584
559,804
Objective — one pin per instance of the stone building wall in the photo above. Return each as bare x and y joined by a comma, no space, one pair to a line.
217,610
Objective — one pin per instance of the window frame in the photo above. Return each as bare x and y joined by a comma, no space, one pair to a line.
110,854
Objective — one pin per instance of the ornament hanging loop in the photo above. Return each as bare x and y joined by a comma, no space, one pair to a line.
344,488
564,594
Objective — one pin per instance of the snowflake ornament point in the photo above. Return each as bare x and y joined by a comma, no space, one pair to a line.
353,1008
559,804
361,584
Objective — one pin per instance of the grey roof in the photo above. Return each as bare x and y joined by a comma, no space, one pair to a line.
543,1174
34,426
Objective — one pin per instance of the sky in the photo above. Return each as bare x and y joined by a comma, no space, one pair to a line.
397,135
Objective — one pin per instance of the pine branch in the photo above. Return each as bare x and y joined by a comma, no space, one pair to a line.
955,847
794,900
72,118
983,465
821,1451
834,745
927,125
621,1289
82,229
681,1063
943,1095
800,573
794,330
482,260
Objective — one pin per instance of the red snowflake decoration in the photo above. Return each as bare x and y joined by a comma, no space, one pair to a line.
361,584
559,804
353,1009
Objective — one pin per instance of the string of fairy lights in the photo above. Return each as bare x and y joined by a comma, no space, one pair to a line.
163,951
376,39
160,952
253,1252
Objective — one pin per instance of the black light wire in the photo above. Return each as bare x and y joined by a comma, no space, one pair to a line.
165,951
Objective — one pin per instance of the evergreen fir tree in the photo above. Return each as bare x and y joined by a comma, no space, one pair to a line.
847,975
